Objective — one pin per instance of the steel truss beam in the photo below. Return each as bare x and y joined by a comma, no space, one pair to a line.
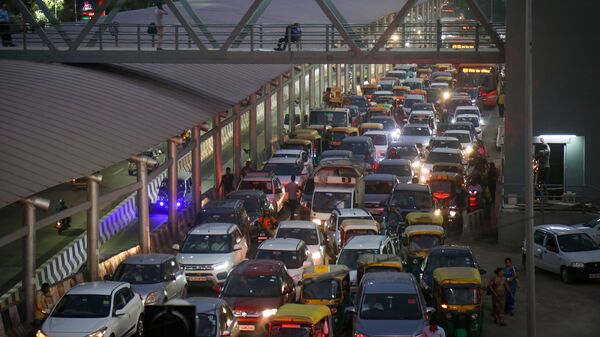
38,29
486,24
326,7
53,21
107,21
88,26
242,24
186,25
188,9
393,25
257,14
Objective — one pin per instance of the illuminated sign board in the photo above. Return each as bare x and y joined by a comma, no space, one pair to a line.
463,46
475,70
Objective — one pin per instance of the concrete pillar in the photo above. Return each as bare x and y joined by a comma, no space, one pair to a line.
329,75
280,109
338,75
172,177
29,207
217,153
268,121
311,88
321,88
143,202
197,166
302,94
92,227
253,130
346,78
292,101
237,140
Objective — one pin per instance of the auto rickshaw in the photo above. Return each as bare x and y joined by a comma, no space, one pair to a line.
418,92
323,130
295,133
306,320
299,144
364,127
456,296
368,90
317,144
416,242
377,263
443,187
379,110
445,79
422,218
425,74
328,285
400,91
354,227
337,134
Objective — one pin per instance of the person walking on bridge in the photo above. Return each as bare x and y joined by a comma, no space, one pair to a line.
159,14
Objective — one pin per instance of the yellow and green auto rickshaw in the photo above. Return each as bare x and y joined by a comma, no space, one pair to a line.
295,133
323,130
299,144
317,143
328,285
305,320
364,127
416,242
423,218
353,227
456,296
368,90
369,263
336,135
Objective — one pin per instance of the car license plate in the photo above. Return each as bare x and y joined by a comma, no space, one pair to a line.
247,328
197,278
595,276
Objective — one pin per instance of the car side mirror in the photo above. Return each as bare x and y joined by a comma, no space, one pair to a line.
351,309
119,312
237,246
176,247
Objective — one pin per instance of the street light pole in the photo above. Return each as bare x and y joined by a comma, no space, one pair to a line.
529,193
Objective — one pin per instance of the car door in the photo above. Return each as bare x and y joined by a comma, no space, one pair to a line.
240,240
279,193
539,238
552,257
172,287
121,322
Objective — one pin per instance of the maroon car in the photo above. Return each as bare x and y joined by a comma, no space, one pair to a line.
255,289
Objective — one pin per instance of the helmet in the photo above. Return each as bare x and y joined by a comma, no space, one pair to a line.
61,202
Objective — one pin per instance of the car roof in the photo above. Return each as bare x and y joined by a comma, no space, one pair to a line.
297,224
333,188
416,125
382,117
282,160
154,258
456,131
443,138
259,267
468,116
380,177
421,112
333,153
289,151
377,132
467,107
414,96
412,187
246,194
444,150
559,229
394,162
96,288
288,244
389,282
447,249
204,305
365,242
403,142
228,203
347,212
356,139
213,228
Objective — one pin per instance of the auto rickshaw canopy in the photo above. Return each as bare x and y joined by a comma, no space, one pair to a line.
324,272
415,218
298,141
301,313
360,224
298,132
364,127
389,262
456,275
344,129
424,230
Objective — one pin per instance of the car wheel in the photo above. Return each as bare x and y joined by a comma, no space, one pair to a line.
140,327
565,275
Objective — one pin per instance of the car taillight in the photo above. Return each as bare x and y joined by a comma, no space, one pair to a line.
334,310
375,165
472,201
441,195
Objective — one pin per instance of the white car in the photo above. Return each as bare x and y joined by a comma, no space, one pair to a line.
464,137
473,119
210,251
567,251
310,233
96,309
285,168
381,141
338,216
592,228
466,110
363,244
292,252
296,154
439,155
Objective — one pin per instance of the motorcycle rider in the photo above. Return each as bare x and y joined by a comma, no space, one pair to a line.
65,222
267,221
475,190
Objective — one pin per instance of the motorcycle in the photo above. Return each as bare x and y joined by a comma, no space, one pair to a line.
62,224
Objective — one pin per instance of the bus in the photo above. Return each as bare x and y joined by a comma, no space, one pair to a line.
480,81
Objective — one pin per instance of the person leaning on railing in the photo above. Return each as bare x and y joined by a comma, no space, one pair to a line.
5,26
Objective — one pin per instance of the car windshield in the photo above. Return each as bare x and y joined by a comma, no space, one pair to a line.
423,241
461,126
388,124
466,112
451,144
406,151
359,102
356,147
138,273
348,257
401,170
251,204
333,118
408,103
337,136
449,260
438,157
206,244
419,119
327,289
411,199
290,330
378,187
378,139
464,295
206,217
82,306
206,325
401,307
241,285
284,169
472,120
325,202
291,258
462,137
578,242
308,235
286,155
264,186
416,131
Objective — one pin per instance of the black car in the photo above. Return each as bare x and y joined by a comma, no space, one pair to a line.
406,198
360,101
404,150
401,168
255,202
230,211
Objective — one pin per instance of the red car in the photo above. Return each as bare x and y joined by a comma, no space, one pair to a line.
255,289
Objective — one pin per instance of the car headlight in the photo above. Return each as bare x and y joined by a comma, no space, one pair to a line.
316,255
453,120
468,149
415,164
473,100
98,333
317,221
220,266
39,333
474,315
577,264
269,312
152,298
481,122
446,95
437,212
452,213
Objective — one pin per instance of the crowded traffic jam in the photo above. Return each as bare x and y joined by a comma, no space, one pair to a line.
342,231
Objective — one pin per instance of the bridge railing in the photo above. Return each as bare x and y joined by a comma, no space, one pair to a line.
315,37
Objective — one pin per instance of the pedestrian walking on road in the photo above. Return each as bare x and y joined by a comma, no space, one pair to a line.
247,168
510,273
292,189
43,305
159,14
501,103
433,329
227,182
5,26
492,179
498,288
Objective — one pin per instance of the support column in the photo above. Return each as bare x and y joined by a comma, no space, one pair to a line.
338,75
268,120
253,131
143,201
329,75
29,207
292,101
217,154
280,110
312,102
346,78
302,95
237,141
92,227
172,177
321,84
197,166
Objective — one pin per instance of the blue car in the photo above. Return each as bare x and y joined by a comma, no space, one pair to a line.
184,193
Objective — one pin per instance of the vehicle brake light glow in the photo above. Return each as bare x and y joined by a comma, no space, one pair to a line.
441,195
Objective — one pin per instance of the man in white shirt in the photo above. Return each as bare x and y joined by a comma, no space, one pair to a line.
159,14
433,330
